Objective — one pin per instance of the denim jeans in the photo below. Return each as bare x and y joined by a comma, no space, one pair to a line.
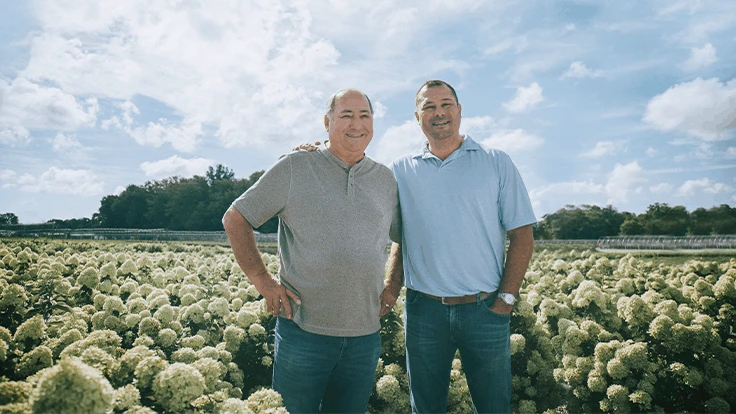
435,331
319,373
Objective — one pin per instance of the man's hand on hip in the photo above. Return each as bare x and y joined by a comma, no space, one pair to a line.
501,307
389,296
276,295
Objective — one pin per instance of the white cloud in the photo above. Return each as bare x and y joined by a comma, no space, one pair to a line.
700,58
62,181
183,136
689,187
399,140
7,175
621,180
256,72
27,105
476,125
661,188
379,110
651,152
579,70
525,98
731,152
176,165
65,143
702,108
572,187
513,140
604,148
15,135
119,189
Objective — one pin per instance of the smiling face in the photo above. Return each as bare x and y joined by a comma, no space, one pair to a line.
350,126
438,113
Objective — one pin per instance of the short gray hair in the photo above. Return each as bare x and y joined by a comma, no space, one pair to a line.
331,100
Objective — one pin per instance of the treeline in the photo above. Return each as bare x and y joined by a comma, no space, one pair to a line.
660,219
198,203
175,203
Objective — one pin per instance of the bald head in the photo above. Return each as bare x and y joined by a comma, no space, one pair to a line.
339,94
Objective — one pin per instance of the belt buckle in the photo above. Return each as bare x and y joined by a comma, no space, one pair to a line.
442,299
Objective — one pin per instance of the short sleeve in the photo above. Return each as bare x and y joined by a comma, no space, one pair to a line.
515,207
395,231
268,196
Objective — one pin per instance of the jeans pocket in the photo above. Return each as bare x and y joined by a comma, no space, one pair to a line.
411,296
488,303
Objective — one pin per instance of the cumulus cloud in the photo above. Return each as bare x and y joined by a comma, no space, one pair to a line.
182,136
513,140
65,143
604,148
651,152
399,140
700,58
379,110
526,98
621,180
689,187
15,136
7,175
579,70
27,105
176,165
702,108
587,187
255,73
661,188
62,181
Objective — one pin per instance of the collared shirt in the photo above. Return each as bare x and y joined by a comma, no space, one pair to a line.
455,216
334,226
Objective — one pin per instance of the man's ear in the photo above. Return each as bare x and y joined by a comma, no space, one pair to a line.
327,123
460,110
416,115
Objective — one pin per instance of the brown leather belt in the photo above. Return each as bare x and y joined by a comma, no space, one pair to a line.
460,300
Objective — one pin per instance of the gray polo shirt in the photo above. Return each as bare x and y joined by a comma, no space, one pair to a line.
334,226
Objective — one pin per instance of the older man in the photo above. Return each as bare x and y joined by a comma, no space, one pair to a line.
459,202
336,210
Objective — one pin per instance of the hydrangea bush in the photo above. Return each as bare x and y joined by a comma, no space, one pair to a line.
154,327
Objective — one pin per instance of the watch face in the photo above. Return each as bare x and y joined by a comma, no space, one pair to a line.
508,298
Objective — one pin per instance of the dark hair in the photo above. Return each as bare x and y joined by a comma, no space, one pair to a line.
433,83
331,100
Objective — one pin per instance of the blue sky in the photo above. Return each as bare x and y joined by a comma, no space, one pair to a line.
599,102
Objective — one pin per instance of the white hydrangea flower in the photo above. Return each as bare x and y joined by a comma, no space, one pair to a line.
177,386
85,389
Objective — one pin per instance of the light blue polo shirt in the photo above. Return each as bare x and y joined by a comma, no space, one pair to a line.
455,216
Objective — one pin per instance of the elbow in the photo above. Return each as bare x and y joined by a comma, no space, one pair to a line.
229,220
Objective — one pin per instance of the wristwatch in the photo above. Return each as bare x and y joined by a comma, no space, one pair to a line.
508,298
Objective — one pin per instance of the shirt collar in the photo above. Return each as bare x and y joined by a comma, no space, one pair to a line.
332,157
468,145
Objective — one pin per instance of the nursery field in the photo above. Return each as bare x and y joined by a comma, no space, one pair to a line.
95,327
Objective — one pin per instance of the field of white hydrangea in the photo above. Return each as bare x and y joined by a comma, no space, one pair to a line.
100,327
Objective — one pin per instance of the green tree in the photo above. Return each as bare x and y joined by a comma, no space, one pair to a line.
8,219
661,219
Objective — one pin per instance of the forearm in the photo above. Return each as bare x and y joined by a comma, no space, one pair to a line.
395,266
521,247
240,234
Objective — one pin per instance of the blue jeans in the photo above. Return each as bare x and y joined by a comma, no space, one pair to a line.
319,373
434,332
